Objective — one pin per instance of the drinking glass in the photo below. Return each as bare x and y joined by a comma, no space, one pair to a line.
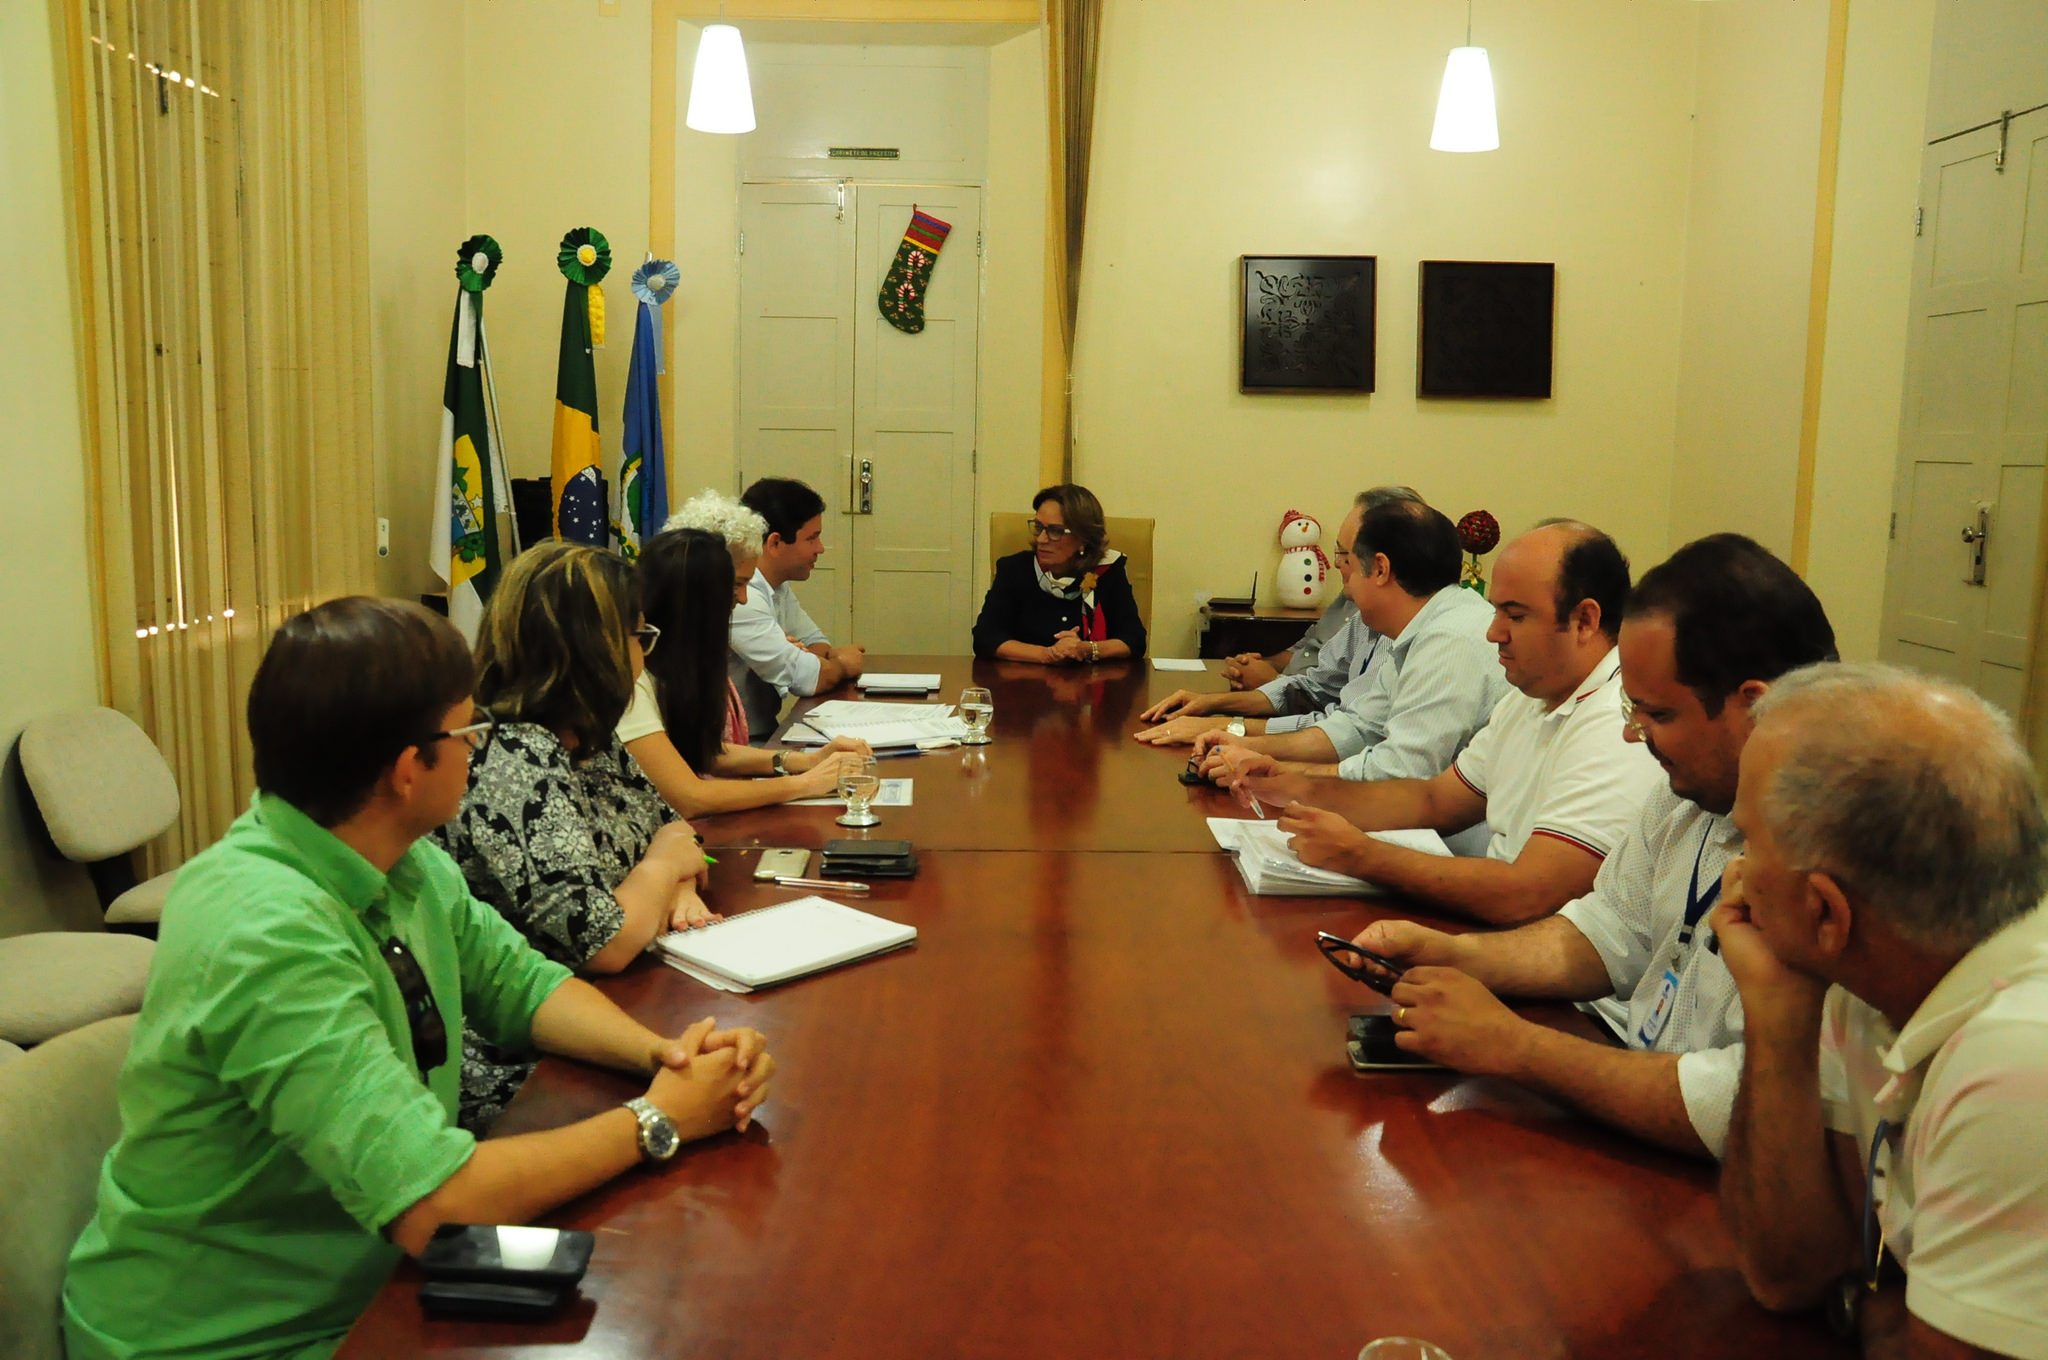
1402,1348
859,781
978,707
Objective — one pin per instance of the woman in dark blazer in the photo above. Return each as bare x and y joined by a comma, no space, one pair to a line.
1068,600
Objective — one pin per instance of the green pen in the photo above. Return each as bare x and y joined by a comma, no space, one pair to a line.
708,858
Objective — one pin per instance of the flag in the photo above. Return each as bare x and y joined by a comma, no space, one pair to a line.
473,502
641,487
584,258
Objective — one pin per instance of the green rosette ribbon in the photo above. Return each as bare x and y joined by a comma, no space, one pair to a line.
585,256
476,263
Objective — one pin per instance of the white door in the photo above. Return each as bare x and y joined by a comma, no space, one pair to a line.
1959,592
831,393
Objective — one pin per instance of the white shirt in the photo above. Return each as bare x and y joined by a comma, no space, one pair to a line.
1433,689
1564,772
765,665
1635,919
643,714
1964,1200
1343,673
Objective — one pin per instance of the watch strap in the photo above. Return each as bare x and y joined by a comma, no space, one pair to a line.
652,1122
779,762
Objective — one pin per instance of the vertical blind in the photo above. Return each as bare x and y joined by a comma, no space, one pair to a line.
222,280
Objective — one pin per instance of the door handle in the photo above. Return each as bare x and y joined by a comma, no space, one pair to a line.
1977,536
867,488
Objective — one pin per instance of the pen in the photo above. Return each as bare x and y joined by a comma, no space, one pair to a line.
834,884
891,752
708,859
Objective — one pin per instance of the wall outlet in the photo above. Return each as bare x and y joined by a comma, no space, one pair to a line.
383,537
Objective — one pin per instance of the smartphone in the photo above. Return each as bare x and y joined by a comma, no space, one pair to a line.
1371,1047
517,1257
782,864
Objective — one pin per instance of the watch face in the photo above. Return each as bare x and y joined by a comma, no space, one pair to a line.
660,1137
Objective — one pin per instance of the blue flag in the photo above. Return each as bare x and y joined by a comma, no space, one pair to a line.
642,483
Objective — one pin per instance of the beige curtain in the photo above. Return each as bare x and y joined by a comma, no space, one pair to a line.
1072,30
218,186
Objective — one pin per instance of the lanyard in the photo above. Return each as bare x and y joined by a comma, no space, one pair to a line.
1366,664
1697,903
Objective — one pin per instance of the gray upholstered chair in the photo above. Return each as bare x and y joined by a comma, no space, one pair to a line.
56,981
58,1117
103,789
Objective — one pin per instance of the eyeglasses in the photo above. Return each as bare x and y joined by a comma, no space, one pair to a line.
1630,723
429,1032
1381,982
477,734
1055,532
647,635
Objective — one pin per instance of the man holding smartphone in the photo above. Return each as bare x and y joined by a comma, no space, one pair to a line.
288,1102
1705,635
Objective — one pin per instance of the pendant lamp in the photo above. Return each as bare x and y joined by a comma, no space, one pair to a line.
721,96
1464,107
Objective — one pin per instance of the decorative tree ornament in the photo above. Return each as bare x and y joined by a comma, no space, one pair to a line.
1478,535
476,263
903,292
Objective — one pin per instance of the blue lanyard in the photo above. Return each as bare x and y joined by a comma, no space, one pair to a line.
1697,903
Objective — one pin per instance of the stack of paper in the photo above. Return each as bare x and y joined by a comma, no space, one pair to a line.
876,724
903,683
774,944
1271,869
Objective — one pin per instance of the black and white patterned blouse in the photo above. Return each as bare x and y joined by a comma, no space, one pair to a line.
545,840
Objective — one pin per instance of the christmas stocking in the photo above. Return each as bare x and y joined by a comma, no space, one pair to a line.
903,290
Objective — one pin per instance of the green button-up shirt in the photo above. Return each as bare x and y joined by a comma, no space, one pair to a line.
273,1120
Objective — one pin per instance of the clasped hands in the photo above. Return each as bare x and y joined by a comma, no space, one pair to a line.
1067,648
708,1079
678,844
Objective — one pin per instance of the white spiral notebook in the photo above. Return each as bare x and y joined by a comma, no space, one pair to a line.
775,944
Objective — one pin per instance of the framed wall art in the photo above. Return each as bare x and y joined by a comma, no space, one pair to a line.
1486,329
1308,323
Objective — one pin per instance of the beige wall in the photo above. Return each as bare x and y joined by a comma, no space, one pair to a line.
1748,268
46,630
1227,128
1884,96
705,312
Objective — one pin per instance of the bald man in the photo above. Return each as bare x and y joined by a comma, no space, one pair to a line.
1884,926
1550,772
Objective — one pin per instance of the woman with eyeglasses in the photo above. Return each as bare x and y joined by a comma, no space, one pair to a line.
1068,600
680,720
560,830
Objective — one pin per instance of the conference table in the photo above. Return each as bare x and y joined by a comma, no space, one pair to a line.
1102,1109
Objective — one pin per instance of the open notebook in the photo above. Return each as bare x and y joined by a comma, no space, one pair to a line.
774,944
1271,869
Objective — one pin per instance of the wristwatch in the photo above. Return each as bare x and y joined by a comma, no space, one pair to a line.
658,1137
780,763
1235,727
1094,652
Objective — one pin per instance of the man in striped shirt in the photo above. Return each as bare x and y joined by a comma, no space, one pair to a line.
1550,773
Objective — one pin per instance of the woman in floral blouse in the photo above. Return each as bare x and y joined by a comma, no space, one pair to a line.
560,829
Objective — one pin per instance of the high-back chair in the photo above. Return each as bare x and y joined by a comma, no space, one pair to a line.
58,1117
1131,537
104,790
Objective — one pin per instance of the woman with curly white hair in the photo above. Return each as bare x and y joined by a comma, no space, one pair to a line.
686,716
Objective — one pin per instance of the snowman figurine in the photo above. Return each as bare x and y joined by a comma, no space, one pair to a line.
1303,568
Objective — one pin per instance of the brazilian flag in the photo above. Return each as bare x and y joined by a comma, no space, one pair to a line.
580,501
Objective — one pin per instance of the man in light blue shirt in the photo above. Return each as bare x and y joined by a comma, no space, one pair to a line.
777,650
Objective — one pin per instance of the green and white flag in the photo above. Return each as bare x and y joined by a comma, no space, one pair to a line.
473,496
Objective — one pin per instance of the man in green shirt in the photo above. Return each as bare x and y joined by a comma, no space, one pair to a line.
288,1105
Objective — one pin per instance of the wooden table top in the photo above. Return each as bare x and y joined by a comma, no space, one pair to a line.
1102,1110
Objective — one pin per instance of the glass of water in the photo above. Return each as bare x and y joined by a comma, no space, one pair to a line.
978,707
859,781
1402,1348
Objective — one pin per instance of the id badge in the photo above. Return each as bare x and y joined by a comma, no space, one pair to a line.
1653,1023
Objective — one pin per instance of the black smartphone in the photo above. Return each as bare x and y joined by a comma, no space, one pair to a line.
1371,1047
491,1302
518,1257
1333,945
1191,773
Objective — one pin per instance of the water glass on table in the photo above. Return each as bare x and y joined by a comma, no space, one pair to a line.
1402,1348
860,780
978,708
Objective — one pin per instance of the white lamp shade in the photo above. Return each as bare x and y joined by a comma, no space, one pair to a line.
1464,108
721,96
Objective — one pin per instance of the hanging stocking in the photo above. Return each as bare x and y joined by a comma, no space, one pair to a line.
903,290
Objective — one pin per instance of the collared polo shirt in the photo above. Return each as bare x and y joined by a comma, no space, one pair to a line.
273,1119
1635,918
1964,1085
1435,687
1564,772
764,663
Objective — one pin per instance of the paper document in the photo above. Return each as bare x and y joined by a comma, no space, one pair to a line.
900,683
894,793
776,944
877,724
1270,868
1177,663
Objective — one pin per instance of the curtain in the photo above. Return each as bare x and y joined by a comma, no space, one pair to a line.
224,316
1073,30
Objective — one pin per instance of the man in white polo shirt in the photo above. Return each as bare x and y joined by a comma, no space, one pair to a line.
1706,634
1550,772
1885,926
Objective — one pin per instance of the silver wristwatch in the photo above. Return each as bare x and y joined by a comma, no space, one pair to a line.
779,763
658,1137
1235,727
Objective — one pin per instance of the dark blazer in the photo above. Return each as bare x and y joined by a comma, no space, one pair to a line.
1016,610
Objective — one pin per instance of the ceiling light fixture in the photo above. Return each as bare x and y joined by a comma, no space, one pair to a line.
721,95
1464,107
